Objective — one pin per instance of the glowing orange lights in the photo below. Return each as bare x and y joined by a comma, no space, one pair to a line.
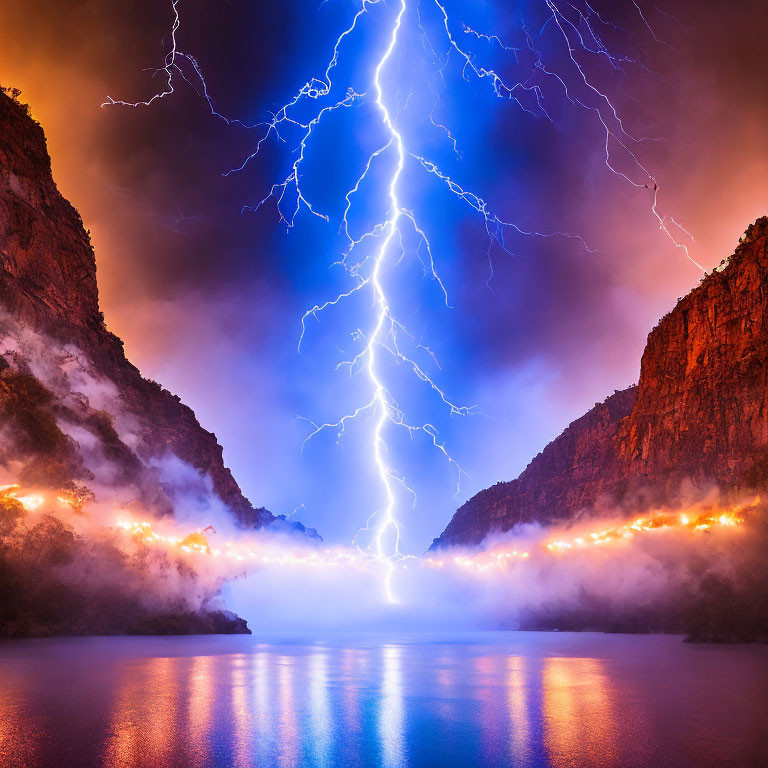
702,522
197,543
252,550
30,502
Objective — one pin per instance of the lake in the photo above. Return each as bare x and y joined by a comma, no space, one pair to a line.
490,699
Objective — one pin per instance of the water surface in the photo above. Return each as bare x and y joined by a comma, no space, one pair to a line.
501,699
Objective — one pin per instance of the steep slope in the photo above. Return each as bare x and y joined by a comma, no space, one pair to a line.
73,409
571,473
696,423
701,406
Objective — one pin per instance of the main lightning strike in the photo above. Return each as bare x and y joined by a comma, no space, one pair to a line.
385,332
577,30
382,406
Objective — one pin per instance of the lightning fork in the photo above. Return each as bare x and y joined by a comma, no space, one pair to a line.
577,26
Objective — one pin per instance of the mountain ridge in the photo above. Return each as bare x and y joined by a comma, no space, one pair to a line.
696,422
48,285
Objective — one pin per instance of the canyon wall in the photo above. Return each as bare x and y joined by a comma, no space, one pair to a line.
73,409
695,425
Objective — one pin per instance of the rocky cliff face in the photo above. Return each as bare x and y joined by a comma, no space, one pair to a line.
696,423
701,406
572,473
73,409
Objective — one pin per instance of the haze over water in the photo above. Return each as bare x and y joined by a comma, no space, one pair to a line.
493,699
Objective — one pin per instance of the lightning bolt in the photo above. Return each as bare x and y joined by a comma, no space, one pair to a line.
446,43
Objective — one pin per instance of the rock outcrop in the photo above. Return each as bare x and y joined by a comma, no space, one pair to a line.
71,404
696,423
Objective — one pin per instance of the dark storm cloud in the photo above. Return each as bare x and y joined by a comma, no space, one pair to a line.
704,98
161,168
159,171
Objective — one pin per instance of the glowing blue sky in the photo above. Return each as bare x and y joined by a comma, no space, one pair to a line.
209,301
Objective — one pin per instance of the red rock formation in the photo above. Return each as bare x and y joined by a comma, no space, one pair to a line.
697,420
48,275
48,286
701,406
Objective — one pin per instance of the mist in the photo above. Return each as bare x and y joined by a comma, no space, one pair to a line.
150,538
658,580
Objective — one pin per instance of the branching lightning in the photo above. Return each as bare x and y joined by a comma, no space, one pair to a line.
575,27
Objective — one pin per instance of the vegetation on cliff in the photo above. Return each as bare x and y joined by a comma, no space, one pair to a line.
56,582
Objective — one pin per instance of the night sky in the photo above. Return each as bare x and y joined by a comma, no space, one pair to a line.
209,299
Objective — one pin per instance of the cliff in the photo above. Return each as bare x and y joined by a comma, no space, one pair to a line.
72,407
696,423
83,436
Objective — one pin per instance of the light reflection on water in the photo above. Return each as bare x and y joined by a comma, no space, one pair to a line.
579,721
391,715
320,719
520,733
503,699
